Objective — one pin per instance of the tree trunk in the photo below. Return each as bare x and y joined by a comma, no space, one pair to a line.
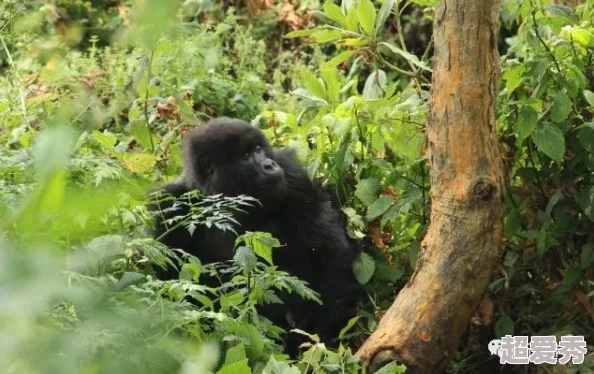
463,245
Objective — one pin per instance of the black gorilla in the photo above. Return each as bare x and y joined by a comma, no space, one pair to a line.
230,157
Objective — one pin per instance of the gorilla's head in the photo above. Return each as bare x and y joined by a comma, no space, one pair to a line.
231,157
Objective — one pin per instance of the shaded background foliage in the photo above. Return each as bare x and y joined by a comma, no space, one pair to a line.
96,95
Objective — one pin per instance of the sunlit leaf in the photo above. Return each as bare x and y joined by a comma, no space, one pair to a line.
366,13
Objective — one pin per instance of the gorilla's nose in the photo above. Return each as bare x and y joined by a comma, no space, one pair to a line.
271,169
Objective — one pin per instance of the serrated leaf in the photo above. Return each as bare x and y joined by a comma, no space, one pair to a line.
549,140
279,367
379,207
383,14
333,11
129,278
245,258
235,354
368,190
261,242
527,119
366,14
561,107
583,37
363,268
190,271
563,11
239,367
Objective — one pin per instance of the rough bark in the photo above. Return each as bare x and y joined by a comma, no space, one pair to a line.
463,245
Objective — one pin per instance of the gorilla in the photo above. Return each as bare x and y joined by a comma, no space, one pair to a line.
231,157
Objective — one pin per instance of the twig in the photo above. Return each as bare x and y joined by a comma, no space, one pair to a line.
146,117
544,44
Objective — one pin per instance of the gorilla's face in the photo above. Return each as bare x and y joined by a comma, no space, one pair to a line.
233,158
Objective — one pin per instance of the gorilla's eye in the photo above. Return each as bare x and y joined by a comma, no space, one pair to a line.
247,156
257,149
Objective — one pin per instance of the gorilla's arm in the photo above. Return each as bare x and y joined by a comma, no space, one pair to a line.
332,254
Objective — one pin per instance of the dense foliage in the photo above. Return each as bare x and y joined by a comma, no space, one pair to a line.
96,95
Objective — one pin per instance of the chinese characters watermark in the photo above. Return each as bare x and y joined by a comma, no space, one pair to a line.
518,350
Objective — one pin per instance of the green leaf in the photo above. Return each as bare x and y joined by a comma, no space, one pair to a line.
333,11
504,326
129,278
561,107
583,37
331,79
392,368
239,367
300,33
513,223
351,19
139,162
348,326
313,85
235,354
366,14
261,242
190,271
513,78
106,139
368,190
549,139
253,339
570,279
589,95
339,59
326,35
587,257
279,367
375,85
586,136
406,55
387,272
383,14
563,11
527,119
587,202
363,268
379,207
245,258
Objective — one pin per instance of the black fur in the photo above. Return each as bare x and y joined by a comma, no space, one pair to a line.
293,210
